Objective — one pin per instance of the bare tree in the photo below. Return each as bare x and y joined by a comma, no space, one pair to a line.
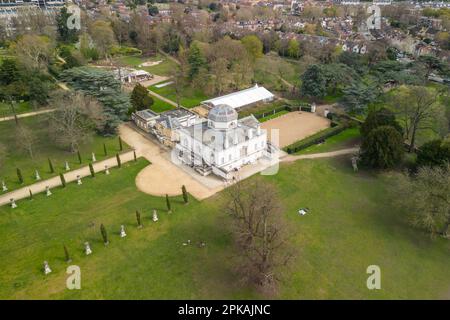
75,118
427,196
34,51
259,232
418,108
25,139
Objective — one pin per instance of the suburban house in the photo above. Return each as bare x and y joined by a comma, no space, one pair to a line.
241,99
222,143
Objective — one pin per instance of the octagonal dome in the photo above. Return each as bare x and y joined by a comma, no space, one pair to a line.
222,113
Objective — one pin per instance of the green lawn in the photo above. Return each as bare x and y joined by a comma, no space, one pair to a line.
346,139
162,69
15,157
352,224
189,97
20,107
160,106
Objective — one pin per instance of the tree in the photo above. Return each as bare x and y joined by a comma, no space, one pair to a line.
120,144
91,169
293,49
253,45
427,196
19,175
79,156
25,139
140,99
382,148
431,64
169,208
119,162
105,151
313,82
185,194
50,166
66,254
195,59
64,33
106,89
138,219
377,118
434,153
34,52
103,37
358,96
9,72
418,107
259,232
74,119
104,234
63,180
152,10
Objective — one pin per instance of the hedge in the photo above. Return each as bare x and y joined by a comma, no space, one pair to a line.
316,138
286,107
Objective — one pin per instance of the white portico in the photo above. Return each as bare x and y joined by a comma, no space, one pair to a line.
222,143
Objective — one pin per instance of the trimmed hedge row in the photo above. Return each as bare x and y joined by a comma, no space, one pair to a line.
317,138
286,107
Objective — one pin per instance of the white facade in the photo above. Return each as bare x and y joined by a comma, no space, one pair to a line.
222,144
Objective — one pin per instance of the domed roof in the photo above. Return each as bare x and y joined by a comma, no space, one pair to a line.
222,113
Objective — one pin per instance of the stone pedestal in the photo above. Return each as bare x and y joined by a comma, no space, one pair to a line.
66,166
47,191
79,180
47,269
155,216
87,248
122,232
13,203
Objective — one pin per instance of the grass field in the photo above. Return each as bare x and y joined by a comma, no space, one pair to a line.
346,139
20,107
15,157
352,224
160,106
162,69
189,97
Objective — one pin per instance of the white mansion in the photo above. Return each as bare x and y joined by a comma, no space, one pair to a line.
221,144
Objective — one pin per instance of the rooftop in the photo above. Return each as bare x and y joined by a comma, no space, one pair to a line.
242,98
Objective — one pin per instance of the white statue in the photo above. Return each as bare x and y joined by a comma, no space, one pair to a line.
79,180
13,203
87,248
155,216
47,191
67,166
122,232
106,169
4,188
313,107
47,269
355,164
93,157
36,173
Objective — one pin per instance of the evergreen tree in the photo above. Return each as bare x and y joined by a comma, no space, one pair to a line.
185,195
63,180
79,157
138,218
120,144
134,155
50,165
169,208
105,151
313,82
64,33
382,148
66,254
195,59
19,175
140,99
91,169
31,194
377,118
119,163
104,234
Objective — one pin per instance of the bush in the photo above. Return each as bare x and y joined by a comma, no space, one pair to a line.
433,153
